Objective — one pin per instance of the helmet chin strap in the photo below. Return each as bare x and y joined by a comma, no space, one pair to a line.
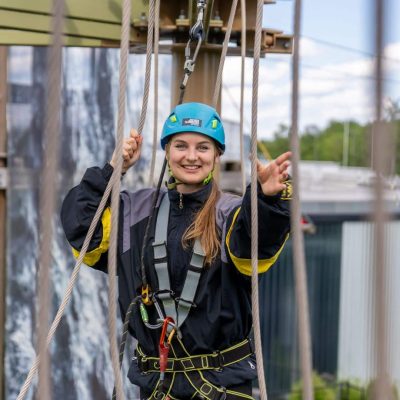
172,182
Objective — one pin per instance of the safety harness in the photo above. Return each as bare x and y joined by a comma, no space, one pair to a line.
174,313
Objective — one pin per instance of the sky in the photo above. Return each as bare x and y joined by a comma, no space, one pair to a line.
336,66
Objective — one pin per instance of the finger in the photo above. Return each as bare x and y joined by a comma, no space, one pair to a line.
283,157
284,166
284,176
130,148
134,133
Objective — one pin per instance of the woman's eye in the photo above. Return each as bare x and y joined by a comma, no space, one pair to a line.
203,148
179,146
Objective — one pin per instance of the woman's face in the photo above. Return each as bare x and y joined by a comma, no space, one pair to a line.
191,157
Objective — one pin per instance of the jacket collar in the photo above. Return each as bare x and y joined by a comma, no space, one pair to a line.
194,200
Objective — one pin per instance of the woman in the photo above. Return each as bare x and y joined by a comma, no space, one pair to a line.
193,309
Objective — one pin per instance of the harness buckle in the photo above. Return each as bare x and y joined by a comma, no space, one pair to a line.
142,363
164,294
221,361
190,303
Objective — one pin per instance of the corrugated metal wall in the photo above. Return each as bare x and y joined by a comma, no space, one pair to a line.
278,318
356,338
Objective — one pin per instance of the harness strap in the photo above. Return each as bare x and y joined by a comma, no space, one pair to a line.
163,389
205,390
177,308
214,361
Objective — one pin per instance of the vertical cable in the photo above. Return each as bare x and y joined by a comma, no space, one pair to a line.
48,194
115,194
298,239
242,78
155,117
380,151
149,51
254,205
228,32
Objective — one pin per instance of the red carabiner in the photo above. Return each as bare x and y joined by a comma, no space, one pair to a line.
163,347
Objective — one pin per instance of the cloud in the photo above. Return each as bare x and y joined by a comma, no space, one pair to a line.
334,90
20,65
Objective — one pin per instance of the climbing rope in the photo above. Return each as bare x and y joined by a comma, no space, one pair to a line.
298,239
380,152
48,194
254,205
155,116
149,51
218,81
115,198
242,78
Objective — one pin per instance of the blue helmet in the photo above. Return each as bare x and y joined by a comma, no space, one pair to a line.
194,117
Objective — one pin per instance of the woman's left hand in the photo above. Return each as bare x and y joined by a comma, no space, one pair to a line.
273,175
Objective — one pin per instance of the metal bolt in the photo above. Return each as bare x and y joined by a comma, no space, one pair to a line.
182,15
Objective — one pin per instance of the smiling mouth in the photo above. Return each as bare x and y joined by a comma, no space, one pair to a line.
191,167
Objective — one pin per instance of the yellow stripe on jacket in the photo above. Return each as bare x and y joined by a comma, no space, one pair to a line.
93,256
244,264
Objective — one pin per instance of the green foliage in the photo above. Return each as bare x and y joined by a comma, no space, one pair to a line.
322,391
349,391
328,144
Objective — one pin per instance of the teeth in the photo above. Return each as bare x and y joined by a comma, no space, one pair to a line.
191,167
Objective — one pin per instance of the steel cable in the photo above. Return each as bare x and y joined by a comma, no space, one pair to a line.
149,51
155,116
298,239
254,205
380,151
48,193
242,81
115,199
228,32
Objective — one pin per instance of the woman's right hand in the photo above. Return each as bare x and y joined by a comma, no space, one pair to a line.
130,151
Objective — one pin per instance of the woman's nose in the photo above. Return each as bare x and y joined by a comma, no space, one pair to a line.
192,154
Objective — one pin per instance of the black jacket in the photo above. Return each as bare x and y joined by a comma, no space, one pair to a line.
222,317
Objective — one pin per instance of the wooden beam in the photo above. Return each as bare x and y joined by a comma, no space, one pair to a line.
109,11
3,215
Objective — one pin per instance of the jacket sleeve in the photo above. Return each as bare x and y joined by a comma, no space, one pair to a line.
77,212
273,230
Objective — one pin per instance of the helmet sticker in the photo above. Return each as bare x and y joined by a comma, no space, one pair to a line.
191,122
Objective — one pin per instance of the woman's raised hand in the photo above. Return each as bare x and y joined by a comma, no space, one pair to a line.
273,175
130,151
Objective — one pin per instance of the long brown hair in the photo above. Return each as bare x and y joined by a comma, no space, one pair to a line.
205,227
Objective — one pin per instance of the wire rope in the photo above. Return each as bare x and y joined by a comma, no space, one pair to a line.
228,32
380,152
48,193
115,200
299,261
149,50
254,205
155,115
242,82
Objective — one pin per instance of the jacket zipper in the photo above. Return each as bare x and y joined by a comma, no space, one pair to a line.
180,201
